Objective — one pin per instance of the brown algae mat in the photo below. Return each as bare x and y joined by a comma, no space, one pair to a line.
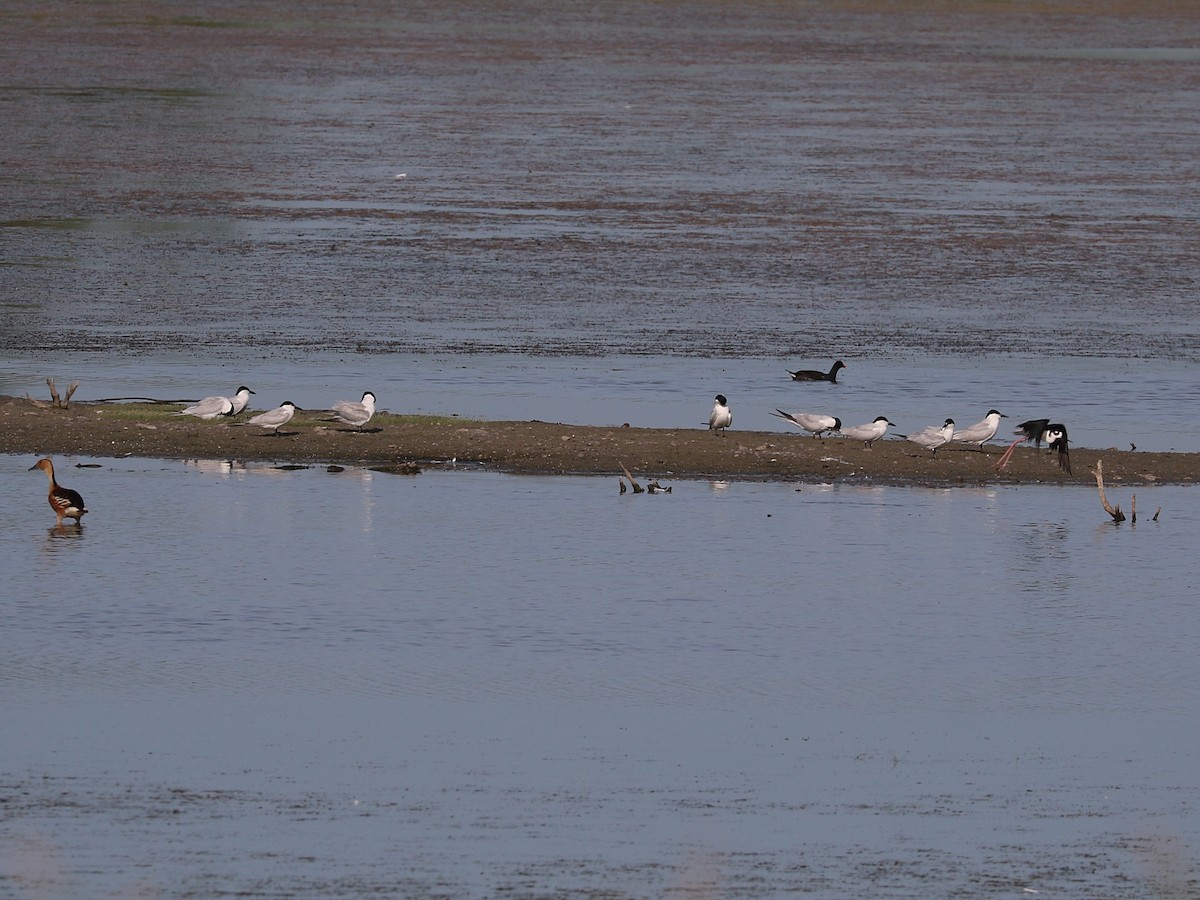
153,430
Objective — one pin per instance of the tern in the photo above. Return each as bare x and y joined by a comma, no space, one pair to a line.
814,375
211,407
65,502
870,433
1039,430
274,418
981,432
933,436
720,418
815,423
356,414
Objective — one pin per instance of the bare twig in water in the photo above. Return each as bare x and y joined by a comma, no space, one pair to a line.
637,488
1117,515
1133,510
1156,512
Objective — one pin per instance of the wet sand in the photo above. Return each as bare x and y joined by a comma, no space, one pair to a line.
547,448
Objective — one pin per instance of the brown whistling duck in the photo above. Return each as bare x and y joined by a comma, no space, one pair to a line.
65,502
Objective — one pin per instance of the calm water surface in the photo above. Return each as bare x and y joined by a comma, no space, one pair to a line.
463,684
611,213
467,683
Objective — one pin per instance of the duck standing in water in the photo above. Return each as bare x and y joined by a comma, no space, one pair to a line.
65,502
720,418
814,375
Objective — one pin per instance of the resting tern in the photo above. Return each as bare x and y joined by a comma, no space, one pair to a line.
274,418
870,433
814,375
356,414
933,436
720,418
981,432
1039,430
815,423
211,407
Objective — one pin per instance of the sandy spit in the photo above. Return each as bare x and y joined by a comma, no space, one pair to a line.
546,448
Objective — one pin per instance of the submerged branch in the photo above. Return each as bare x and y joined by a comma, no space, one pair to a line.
1117,515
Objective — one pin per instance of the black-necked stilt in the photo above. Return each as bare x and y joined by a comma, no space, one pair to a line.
1054,434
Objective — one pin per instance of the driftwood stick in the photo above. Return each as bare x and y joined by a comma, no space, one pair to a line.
140,399
1133,509
637,488
1117,515
56,401
1156,512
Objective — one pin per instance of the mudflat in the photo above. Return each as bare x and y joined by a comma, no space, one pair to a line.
549,448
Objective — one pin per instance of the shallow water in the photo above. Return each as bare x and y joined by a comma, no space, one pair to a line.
466,683
239,680
611,214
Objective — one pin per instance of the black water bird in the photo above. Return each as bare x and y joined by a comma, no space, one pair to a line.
814,375
1053,434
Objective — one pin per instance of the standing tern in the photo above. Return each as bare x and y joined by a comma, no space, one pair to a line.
814,375
356,414
1039,430
273,418
981,432
933,436
870,433
65,502
814,423
720,418
211,407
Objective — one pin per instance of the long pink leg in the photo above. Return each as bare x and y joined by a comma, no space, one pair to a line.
1003,462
